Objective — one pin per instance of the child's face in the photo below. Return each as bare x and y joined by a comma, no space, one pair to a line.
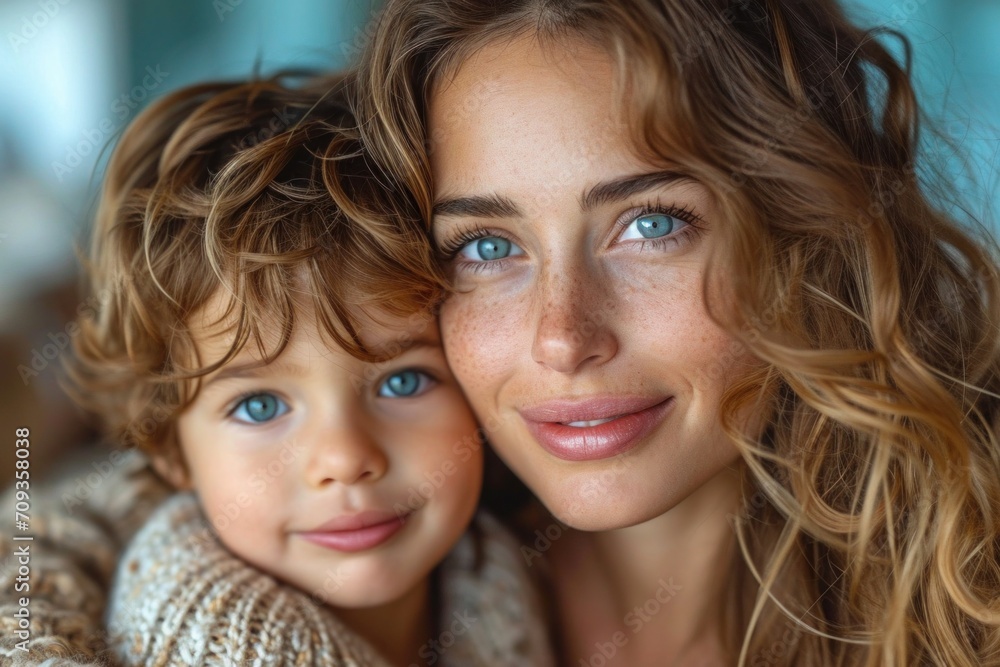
350,480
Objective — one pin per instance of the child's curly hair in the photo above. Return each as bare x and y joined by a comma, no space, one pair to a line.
257,188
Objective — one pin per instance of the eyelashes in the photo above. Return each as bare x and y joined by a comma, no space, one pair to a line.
267,408
449,249
693,224
270,405
683,213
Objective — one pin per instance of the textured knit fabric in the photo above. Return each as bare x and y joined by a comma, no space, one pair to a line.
80,520
181,598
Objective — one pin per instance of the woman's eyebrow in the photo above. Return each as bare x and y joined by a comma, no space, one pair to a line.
625,187
477,206
498,206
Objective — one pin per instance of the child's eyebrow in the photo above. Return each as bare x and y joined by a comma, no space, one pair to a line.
417,343
253,369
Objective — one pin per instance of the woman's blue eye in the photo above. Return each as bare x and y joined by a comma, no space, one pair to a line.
489,249
259,408
651,226
404,384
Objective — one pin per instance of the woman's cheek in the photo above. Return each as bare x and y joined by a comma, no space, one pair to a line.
483,337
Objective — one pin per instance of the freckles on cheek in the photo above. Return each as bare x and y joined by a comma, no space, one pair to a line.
482,338
667,315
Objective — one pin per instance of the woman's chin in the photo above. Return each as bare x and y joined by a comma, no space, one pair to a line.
611,500
595,518
615,507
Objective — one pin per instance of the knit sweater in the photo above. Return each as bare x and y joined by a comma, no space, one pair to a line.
81,521
181,598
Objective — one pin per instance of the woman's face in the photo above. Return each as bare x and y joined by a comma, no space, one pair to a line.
580,331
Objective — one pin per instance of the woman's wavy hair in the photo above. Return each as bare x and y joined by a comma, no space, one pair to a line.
257,190
871,514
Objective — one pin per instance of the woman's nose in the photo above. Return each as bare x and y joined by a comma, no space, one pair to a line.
344,453
574,322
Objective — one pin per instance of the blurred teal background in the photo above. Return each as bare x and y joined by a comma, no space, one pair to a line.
75,72
956,64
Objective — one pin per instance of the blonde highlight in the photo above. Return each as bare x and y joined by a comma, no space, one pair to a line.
871,514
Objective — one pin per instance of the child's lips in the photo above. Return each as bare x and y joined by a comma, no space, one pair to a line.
356,532
356,521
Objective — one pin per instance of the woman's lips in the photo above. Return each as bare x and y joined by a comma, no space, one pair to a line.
594,428
357,532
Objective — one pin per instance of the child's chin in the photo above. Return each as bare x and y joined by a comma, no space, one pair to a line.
365,587
366,596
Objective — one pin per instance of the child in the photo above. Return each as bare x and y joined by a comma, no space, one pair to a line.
266,341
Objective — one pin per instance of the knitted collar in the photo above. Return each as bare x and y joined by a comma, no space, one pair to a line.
181,598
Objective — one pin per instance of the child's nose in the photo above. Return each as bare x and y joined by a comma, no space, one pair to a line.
347,454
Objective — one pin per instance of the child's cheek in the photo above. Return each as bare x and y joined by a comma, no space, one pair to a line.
450,458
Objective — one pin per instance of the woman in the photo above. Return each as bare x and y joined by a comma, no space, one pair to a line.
824,335
699,286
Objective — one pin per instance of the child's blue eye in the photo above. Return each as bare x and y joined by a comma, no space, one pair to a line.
259,408
404,384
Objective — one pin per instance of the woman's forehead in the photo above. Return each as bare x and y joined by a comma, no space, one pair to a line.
517,106
519,70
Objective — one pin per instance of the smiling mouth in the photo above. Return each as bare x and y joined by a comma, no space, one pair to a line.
357,533
592,422
596,428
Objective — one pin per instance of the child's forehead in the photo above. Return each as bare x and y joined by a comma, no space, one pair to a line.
382,332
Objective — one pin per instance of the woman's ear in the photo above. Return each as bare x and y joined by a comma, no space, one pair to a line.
172,469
